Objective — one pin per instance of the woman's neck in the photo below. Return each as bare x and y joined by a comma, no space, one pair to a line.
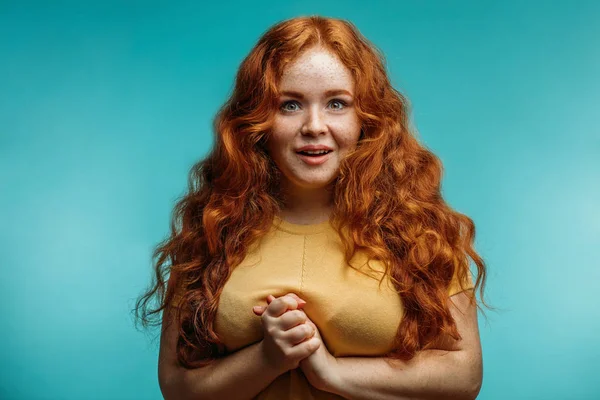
307,217
307,207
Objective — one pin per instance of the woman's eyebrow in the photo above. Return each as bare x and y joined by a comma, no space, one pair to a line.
333,92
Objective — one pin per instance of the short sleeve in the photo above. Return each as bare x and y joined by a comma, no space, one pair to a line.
456,287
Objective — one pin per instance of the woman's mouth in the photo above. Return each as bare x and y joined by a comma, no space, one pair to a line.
314,159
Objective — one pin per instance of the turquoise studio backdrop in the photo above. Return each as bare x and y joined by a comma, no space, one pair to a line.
105,105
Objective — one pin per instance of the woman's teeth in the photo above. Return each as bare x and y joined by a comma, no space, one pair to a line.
315,153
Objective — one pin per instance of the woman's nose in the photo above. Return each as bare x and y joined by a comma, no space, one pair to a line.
314,123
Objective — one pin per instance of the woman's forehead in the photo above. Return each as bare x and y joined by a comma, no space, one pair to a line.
323,74
314,62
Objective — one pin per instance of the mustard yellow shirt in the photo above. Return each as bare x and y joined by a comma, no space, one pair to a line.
354,314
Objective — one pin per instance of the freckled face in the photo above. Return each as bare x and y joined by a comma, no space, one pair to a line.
316,107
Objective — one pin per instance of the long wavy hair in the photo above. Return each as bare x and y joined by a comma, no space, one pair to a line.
386,199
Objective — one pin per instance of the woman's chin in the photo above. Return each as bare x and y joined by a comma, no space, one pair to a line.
316,184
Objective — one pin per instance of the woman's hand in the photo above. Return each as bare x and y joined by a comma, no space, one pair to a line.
320,367
287,339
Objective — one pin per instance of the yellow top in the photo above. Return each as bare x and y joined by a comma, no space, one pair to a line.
308,260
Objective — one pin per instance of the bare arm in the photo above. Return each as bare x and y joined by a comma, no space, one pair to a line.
431,374
449,370
240,375
244,373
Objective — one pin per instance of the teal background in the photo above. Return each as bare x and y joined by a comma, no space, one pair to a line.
105,105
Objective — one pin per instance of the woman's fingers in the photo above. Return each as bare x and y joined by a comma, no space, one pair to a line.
258,310
289,319
298,334
270,298
292,318
280,305
286,338
297,304
298,299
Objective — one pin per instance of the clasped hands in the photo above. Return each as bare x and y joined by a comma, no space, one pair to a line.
292,340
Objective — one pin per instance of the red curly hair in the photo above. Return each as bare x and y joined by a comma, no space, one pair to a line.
386,198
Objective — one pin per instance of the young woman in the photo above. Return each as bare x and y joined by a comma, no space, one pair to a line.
314,256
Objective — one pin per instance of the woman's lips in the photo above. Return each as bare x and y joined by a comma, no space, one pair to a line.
314,160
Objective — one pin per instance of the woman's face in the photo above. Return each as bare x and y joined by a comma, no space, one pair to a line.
316,107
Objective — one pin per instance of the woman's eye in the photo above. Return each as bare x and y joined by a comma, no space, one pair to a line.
285,105
339,102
